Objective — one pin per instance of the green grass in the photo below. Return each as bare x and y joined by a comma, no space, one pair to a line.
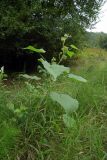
38,133
89,140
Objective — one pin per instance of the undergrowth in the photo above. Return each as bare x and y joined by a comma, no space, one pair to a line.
31,126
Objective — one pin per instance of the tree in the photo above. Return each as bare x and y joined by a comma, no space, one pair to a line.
93,39
103,41
46,16
43,22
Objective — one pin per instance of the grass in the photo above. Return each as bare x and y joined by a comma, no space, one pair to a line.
36,130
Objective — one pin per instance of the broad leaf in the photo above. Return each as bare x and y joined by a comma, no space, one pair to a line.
63,39
74,47
30,77
31,48
69,121
54,69
70,53
66,35
79,78
68,103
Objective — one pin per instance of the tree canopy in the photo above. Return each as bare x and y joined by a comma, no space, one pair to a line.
46,16
103,41
43,22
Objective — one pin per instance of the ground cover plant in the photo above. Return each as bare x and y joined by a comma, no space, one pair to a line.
33,129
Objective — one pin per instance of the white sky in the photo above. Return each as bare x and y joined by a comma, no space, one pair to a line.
101,26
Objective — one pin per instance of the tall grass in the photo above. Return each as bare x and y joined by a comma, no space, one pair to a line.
31,127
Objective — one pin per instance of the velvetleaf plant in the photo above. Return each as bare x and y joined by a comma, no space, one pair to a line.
55,70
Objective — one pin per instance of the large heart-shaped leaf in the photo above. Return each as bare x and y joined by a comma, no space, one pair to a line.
54,69
69,121
79,78
31,48
67,102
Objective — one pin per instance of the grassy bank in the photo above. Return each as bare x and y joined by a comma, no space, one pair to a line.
31,129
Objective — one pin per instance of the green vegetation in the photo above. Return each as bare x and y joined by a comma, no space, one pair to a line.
54,70
95,40
103,41
53,113
43,22
31,127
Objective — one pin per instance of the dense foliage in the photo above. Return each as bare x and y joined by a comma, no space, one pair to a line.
32,126
47,20
41,92
41,23
96,40
103,41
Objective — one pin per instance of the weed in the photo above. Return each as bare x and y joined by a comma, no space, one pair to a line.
33,126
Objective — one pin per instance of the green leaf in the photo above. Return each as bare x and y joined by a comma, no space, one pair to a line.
79,78
2,70
54,70
31,48
65,50
10,105
70,53
67,102
74,47
23,108
69,121
30,77
66,35
18,110
63,39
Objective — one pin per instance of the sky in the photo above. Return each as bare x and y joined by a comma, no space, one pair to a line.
101,26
